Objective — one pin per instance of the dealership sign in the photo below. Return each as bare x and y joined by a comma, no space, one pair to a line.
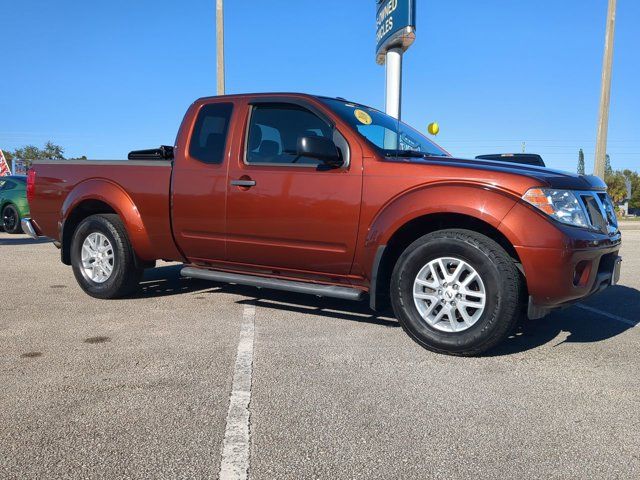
395,26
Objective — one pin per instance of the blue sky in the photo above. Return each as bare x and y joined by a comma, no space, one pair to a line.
103,78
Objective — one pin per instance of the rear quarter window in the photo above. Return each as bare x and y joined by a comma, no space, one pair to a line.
209,137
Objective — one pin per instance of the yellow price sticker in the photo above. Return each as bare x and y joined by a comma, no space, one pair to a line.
363,117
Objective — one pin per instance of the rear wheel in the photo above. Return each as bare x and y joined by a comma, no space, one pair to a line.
102,258
456,292
11,219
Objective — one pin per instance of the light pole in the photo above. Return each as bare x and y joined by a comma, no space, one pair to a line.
393,90
605,94
395,32
220,46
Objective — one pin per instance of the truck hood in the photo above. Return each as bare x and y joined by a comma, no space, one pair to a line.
545,176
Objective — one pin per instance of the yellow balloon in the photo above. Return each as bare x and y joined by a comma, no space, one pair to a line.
433,128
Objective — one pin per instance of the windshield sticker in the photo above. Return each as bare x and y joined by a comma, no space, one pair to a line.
363,117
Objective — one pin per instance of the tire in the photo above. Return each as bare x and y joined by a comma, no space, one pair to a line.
117,274
11,219
496,277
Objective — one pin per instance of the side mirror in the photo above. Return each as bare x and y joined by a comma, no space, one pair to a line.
324,149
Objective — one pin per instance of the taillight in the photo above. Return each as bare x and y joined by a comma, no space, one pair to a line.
31,184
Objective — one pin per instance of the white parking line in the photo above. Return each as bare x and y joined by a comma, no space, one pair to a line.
235,446
626,321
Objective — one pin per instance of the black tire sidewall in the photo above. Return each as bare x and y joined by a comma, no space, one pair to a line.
109,288
413,261
16,228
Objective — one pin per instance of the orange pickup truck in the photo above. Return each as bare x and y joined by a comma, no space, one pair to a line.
333,198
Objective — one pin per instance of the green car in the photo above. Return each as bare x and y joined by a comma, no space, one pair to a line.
13,202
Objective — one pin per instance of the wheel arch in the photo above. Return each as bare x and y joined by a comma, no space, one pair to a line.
4,203
98,196
387,254
84,209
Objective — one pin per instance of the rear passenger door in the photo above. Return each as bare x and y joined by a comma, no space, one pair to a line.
199,184
286,212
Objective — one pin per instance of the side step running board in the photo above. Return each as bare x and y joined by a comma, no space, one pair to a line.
318,289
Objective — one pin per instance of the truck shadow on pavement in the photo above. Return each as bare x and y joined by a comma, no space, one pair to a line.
23,241
166,281
582,326
310,305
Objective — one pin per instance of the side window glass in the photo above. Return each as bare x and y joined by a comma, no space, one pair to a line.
210,133
274,130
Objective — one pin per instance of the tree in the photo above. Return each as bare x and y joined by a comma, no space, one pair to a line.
52,151
634,179
30,153
616,186
607,166
635,195
581,162
7,155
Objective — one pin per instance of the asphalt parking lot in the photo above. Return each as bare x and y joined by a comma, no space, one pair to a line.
141,388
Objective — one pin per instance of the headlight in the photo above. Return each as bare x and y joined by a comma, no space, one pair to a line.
563,205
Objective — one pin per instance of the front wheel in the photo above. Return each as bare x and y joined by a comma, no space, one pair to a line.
456,292
102,258
11,219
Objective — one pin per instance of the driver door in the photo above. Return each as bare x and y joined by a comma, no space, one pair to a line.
286,212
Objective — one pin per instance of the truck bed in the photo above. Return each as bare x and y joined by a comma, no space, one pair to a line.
145,183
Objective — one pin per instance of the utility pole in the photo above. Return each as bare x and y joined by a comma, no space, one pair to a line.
605,93
220,45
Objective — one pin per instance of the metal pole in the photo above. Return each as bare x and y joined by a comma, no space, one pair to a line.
220,46
605,94
394,82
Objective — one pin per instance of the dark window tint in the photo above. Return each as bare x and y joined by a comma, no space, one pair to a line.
274,130
210,133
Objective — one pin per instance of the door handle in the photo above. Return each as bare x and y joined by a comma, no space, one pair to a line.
243,183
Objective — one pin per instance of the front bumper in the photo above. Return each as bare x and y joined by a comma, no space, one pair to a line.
608,274
559,276
561,264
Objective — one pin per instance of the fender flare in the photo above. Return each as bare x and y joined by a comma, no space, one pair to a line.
480,202
483,202
113,195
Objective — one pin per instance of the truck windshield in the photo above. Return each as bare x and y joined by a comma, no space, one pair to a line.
390,136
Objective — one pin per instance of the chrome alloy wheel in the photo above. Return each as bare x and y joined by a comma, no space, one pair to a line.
449,294
97,258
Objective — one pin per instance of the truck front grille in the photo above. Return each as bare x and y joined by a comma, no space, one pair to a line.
600,211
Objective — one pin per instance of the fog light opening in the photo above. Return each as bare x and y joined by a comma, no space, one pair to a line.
582,272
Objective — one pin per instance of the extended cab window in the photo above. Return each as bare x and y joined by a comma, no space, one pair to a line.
210,133
274,130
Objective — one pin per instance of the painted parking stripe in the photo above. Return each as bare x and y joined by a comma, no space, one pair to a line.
235,446
626,321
